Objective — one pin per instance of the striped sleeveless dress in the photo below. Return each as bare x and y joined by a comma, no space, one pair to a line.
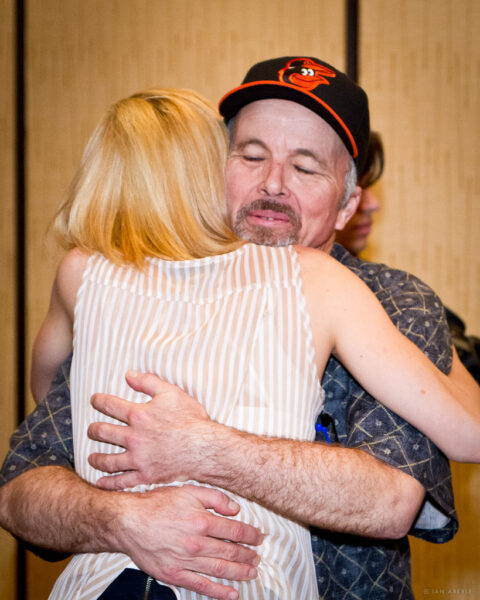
231,330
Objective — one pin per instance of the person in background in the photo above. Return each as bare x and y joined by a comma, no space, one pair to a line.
467,346
354,238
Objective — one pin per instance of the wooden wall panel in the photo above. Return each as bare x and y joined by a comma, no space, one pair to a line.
85,54
7,268
420,64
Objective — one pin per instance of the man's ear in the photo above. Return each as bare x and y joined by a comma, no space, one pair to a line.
349,209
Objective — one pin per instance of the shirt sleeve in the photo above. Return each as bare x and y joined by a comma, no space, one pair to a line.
362,422
44,438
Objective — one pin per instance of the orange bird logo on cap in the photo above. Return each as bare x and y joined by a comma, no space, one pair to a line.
304,73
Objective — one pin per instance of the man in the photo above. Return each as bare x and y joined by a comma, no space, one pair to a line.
287,177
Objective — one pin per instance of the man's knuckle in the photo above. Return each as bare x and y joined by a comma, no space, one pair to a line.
237,531
129,439
202,585
94,430
105,462
172,574
236,552
219,567
202,524
134,415
100,429
219,496
192,546
107,404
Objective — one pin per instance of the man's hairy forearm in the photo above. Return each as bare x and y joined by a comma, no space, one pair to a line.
330,487
169,533
52,507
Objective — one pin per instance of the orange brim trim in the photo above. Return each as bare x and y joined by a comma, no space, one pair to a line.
307,93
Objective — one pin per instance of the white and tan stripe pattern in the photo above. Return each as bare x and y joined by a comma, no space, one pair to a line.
231,330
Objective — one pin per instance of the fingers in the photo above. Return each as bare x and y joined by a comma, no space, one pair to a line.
118,482
108,432
220,558
212,498
193,545
233,531
110,463
112,406
202,585
147,383
225,529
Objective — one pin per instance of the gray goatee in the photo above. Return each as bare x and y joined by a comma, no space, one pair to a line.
257,234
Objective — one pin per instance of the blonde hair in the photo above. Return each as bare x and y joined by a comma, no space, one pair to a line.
151,182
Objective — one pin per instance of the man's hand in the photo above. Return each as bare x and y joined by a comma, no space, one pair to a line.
171,536
173,433
158,437
170,532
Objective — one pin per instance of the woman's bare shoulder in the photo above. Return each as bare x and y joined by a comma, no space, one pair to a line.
74,260
69,275
318,262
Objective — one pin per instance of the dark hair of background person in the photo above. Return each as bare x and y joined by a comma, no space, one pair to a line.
374,162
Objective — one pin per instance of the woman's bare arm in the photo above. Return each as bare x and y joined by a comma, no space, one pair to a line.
386,363
54,340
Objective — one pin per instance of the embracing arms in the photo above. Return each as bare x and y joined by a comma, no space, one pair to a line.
52,508
421,320
327,486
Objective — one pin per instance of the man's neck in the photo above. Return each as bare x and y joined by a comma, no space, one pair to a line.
327,246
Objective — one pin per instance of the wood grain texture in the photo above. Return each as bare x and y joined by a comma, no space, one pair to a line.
420,64
7,269
85,54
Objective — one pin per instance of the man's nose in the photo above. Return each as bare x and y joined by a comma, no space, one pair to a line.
369,202
273,183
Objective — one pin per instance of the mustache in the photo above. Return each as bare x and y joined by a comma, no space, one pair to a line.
265,204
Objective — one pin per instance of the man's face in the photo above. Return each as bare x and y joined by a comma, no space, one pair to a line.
354,236
285,176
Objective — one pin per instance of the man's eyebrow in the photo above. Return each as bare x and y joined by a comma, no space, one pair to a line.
309,154
322,162
250,141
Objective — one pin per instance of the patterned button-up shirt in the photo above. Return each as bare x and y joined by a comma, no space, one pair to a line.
348,568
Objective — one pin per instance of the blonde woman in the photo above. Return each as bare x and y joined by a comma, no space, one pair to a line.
154,280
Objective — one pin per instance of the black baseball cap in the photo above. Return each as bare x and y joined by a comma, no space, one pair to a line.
316,85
